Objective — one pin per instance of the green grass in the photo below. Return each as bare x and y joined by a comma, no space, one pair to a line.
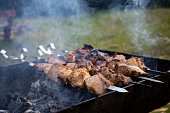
111,30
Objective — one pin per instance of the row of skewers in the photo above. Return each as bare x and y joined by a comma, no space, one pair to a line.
87,68
94,70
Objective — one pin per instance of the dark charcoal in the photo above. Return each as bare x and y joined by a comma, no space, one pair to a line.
23,88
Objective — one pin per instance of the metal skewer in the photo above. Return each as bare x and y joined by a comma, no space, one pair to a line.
150,79
160,72
118,89
139,83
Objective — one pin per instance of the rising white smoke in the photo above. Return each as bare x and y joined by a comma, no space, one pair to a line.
136,18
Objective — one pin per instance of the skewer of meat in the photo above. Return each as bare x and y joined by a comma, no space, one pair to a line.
93,69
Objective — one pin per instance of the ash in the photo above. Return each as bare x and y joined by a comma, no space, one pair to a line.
33,92
48,96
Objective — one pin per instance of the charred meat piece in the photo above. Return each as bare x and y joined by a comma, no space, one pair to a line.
106,81
105,72
80,53
72,66
54,59
89,47
84,63
92,57
44,67
97,55
85,50
104,56
101,63
122,80
129,70
78,76
109,59
116,79
59,72
111,64
97,84
137,62
121,58
95,70
71,57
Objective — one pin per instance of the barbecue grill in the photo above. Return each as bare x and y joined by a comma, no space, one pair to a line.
139,99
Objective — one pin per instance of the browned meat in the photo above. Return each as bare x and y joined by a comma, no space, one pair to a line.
95,70
54,59
105,72
129,70
116,79
102,56
45,67
109,59
97,84
82,51
78,76
122,80
84,63
71,57
106,81
59,71
101,63
121,58
96,55
137,62
72,66
111,65
92,57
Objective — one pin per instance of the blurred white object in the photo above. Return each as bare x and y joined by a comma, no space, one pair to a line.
3,52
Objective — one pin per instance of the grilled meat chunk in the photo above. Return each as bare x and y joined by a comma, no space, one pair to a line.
96,55
122,80
137,62
129,70
71,57
97,84
101,63
89,47
44,67
59,71
54,59
84,63
116,79
76,79
121,58
80,53
95,70
111,64
72,66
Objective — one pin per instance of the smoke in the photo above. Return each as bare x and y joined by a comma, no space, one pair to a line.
52,7
47,21
137,26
